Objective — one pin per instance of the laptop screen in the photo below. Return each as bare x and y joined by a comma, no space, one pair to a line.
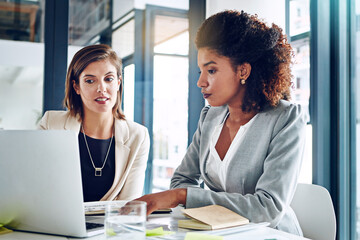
40,182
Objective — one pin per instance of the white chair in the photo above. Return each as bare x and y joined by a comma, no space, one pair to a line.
313,207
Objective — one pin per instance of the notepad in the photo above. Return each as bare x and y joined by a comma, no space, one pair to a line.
210,218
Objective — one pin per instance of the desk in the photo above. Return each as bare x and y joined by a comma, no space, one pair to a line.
260,233
168,222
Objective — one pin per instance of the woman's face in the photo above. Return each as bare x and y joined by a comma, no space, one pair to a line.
218,82
98,87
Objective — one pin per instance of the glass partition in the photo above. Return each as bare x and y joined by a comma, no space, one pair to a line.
21,63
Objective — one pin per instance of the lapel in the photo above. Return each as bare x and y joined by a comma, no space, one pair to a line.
214,117
121,136
250,154
122,162
122,152
72,123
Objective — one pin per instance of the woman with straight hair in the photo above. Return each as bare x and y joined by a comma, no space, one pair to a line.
249,142
113,150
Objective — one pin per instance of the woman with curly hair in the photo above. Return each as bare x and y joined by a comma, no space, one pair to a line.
249,143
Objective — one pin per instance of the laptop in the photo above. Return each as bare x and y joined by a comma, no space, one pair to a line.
40,183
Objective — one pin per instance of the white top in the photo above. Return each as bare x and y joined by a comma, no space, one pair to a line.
217,168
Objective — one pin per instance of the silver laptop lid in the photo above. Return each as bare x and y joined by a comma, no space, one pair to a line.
40,182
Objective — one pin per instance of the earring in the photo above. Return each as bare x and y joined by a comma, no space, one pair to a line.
243,81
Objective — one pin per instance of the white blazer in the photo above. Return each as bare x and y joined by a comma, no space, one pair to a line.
132,145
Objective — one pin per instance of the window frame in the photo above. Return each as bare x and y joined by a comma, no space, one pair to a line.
332,111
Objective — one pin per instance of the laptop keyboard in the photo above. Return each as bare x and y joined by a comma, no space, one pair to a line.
90,225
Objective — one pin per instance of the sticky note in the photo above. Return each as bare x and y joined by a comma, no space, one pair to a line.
201,236
110,232
4,230
157,232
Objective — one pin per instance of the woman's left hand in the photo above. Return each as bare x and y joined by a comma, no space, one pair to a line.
162,200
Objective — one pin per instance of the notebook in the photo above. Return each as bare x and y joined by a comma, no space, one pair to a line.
40,183
210,218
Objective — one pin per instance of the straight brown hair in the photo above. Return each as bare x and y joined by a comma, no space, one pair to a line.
80,61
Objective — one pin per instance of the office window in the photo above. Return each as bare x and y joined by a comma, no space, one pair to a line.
129,91
170,115
299,38
87,20
299,17
123,42
123,39
21,63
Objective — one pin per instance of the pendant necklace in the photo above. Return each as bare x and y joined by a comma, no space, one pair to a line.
98,171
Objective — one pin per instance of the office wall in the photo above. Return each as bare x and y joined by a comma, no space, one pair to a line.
21,83
271,11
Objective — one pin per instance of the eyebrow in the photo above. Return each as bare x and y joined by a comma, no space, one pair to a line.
208,63
89,75
111,72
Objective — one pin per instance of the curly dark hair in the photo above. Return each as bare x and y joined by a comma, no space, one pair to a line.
243,38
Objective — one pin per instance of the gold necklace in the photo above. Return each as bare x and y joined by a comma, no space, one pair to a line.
98,171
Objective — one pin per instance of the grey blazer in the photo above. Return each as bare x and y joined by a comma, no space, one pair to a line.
263,173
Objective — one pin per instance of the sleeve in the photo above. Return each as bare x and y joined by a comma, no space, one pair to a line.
133,186
188,172
276,186
43,124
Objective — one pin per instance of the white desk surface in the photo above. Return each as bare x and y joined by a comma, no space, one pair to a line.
169,223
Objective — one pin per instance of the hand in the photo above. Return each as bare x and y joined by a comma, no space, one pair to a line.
166,199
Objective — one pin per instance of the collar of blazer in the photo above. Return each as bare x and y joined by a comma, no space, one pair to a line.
121,128
123,166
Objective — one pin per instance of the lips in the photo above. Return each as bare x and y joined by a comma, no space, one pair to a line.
101,99
206,95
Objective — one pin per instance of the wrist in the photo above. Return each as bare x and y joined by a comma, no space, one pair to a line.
181,195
